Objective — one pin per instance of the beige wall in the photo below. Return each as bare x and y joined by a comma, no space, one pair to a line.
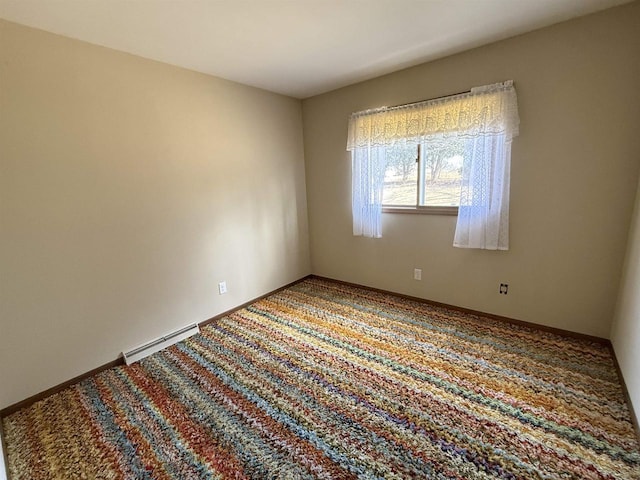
625,332
574,174
128,190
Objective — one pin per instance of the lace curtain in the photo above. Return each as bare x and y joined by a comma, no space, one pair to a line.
368,167
486,119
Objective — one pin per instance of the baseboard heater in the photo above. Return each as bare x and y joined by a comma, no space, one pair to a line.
156,345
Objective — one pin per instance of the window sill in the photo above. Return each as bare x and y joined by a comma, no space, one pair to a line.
422,210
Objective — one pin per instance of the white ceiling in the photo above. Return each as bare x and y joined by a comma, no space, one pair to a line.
295,47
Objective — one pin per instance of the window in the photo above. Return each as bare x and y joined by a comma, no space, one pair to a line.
424,178
437,155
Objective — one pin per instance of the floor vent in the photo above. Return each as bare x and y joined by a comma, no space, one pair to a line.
156,345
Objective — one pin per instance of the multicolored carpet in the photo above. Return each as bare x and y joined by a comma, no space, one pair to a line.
328,381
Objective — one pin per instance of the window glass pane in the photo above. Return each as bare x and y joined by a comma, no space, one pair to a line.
401,176
442,162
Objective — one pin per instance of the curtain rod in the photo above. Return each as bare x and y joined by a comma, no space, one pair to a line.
507,83
403,105
425,100
485,88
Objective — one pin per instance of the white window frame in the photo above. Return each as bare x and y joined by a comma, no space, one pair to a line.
418,208
486,115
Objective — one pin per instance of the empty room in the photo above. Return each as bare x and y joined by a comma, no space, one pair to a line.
319,239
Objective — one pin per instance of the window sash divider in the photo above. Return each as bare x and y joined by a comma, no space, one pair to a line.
420,209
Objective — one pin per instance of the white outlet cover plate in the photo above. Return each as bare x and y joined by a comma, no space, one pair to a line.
222,288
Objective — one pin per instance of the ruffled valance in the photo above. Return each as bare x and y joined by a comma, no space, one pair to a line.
487,110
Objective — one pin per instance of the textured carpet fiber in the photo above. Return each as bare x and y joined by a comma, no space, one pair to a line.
327,381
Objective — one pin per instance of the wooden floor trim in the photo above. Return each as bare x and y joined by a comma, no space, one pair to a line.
120,361
11,409
246,304
537,326
625,392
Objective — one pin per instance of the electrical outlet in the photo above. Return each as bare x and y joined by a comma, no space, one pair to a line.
222,288
504,288
417,274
